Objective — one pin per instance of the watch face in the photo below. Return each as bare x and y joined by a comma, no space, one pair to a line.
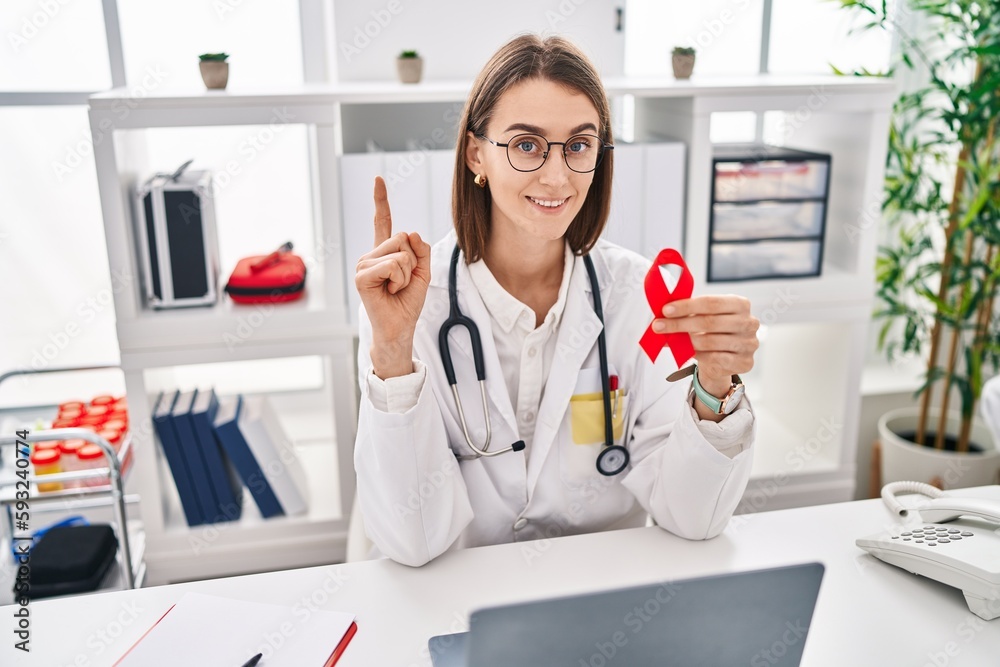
734,399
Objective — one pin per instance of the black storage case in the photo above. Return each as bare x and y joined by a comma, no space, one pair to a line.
177,243
70,559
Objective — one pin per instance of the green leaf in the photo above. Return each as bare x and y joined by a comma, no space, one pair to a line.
883,332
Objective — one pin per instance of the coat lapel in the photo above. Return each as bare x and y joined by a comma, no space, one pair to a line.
578,332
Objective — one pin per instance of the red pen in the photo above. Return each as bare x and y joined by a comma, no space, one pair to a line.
613,386
272,258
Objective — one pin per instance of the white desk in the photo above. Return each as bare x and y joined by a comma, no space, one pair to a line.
868,613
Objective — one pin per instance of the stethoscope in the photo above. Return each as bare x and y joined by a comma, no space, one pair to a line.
612,459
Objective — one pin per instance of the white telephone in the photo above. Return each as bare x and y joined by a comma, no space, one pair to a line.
958,543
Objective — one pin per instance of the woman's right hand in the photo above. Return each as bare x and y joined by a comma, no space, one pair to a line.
392,280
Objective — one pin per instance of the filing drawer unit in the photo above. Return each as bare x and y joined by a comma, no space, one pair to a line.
768,212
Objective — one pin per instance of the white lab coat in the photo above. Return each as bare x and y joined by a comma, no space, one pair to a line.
418,501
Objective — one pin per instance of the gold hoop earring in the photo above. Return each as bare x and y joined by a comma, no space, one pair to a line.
480,180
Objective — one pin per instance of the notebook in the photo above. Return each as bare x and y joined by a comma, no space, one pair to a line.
726,619
210,630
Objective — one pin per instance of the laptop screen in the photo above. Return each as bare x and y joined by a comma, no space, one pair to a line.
746,618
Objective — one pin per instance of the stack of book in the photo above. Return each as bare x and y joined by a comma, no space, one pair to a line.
213,448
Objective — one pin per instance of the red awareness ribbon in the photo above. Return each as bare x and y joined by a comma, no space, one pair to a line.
659,296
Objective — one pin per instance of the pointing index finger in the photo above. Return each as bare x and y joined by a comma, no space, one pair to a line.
383,218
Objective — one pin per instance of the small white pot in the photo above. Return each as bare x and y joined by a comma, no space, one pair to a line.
410,69
215,73
683,65
905,460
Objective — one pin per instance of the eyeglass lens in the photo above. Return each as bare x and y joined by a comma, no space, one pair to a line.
582,152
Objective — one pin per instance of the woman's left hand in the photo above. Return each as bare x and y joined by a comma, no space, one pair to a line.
723,332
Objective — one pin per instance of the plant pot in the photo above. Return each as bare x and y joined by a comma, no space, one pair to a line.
215,73
410,69
683,65
905,460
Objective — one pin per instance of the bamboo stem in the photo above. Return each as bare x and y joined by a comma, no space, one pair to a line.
925,398
956,334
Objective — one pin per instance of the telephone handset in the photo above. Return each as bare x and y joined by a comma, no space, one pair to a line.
957,543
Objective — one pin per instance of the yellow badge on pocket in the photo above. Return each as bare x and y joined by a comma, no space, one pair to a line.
587,416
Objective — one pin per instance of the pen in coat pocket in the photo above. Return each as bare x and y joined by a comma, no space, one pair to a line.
613,386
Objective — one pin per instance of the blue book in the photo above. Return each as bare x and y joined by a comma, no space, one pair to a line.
188,443
164,426
221,472
227,431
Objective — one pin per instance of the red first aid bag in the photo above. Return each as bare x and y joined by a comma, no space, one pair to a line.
283,279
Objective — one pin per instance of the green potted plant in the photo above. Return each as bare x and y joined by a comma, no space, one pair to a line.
409,66
937,278
214,70
682,60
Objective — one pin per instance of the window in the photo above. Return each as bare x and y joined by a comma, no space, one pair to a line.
50,228
53,46
263,40
797,48
725,33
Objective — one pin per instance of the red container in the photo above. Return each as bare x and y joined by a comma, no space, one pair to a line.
118,415
71,413
92,420
113,436
89,457
71,447
115,423
284,279
47,462
101,410
47,444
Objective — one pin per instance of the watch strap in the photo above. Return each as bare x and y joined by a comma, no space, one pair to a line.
714,404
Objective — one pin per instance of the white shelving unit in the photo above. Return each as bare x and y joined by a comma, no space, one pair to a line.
153,340
809,365
805,386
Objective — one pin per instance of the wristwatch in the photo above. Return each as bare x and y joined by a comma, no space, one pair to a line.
720,406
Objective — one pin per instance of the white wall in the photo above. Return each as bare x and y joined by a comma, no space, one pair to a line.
456,37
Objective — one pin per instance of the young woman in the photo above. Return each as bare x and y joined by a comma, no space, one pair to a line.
445,461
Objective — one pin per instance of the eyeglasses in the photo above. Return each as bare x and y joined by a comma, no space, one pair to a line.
527,152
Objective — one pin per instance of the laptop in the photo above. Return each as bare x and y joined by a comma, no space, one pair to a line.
745,618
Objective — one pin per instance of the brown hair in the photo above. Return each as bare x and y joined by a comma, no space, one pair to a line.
526,57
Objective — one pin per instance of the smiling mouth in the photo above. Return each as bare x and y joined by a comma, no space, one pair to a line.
548,203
